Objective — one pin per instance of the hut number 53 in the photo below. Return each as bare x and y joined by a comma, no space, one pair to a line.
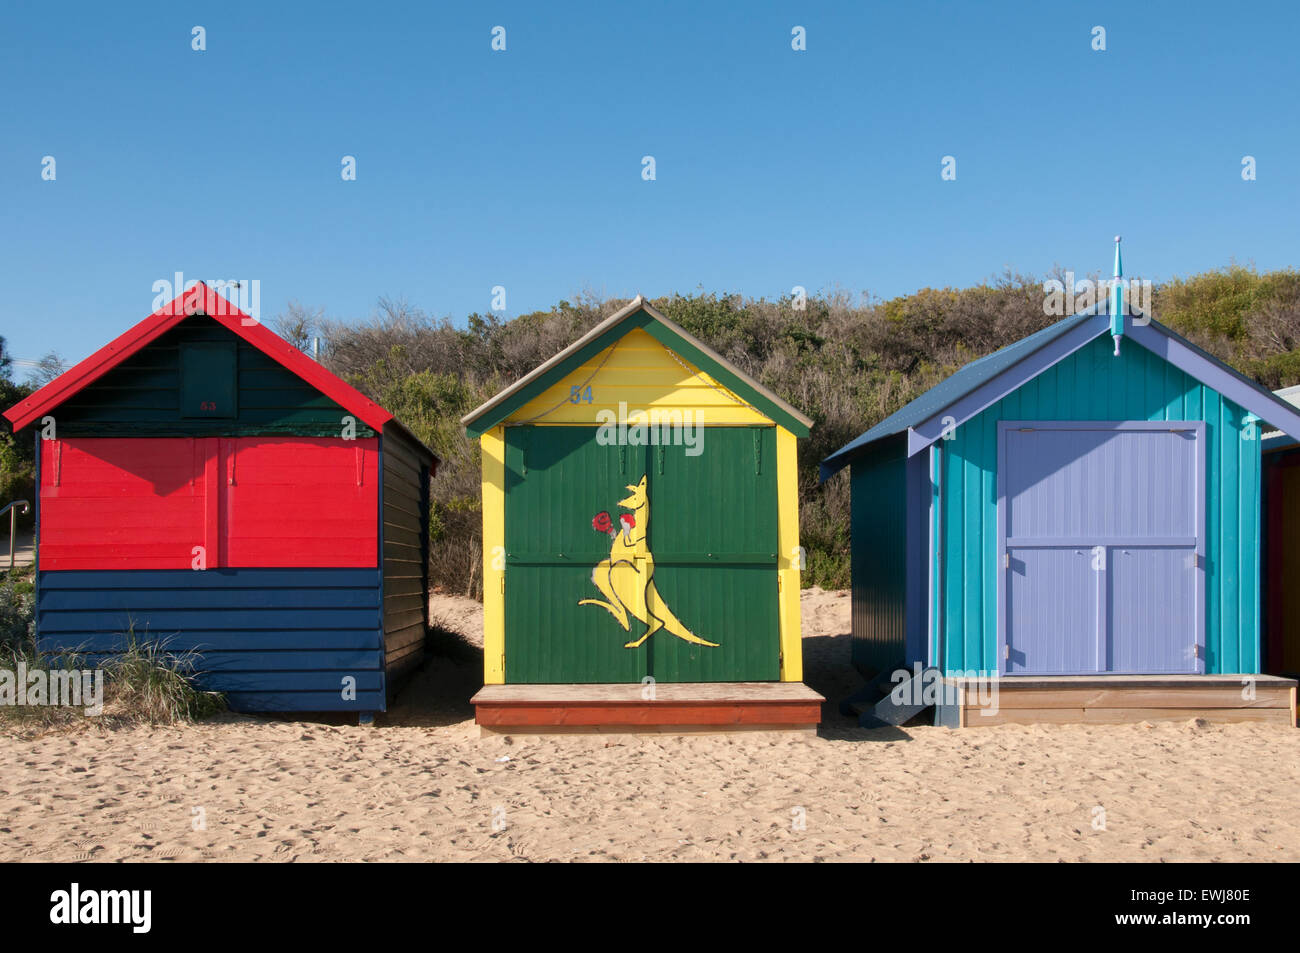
577,395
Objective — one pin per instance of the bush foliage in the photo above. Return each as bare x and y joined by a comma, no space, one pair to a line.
847,361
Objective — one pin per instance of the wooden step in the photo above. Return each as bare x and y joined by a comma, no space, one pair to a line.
1116,699
680,707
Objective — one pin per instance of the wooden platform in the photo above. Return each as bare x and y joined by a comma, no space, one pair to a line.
674,708
1116,699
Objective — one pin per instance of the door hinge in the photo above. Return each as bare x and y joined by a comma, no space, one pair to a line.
1196,650
1006,560
503,583
1006,650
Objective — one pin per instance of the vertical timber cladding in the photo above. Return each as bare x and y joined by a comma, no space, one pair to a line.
680,545
1092,384
613,557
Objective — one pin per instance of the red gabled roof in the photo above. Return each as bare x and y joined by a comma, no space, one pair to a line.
199,299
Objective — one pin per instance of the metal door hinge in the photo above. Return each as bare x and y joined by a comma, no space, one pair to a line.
1006,650
1006,560
503,583
1196,651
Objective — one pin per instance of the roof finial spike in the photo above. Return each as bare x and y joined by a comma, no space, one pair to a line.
1117,299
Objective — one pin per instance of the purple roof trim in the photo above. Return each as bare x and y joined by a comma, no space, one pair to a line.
1209,370
984,382
992,391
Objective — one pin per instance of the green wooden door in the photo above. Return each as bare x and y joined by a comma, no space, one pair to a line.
557,480
693,552
714,539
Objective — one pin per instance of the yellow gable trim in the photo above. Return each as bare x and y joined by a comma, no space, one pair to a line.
638,373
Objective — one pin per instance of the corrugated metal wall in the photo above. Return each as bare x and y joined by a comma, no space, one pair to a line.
879,526
272,639
1093,384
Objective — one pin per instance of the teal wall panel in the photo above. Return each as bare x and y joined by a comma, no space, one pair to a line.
1093,384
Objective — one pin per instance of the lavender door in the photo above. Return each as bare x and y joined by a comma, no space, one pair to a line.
1103,531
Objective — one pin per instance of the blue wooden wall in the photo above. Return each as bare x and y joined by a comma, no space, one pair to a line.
271,639
1093,384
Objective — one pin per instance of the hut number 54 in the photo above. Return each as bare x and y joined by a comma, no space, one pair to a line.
577,395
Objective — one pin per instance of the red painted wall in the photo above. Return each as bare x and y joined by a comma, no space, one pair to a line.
146,503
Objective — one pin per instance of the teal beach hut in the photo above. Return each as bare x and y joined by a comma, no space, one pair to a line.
1076,515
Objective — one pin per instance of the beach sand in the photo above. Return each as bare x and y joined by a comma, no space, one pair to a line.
422,785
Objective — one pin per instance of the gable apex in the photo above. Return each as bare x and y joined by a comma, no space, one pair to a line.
638,313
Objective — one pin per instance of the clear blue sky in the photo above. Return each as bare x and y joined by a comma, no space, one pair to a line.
523,169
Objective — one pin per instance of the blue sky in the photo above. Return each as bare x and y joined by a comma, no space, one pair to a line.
522,168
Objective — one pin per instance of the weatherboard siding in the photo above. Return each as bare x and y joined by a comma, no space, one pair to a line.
637,373
1093,384
405,555
271,639
141,396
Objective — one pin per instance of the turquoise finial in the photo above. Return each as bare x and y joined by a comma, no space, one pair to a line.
1117,299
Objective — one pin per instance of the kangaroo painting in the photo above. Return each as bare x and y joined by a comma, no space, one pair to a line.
626,578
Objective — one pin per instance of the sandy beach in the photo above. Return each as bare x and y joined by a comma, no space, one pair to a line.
422,785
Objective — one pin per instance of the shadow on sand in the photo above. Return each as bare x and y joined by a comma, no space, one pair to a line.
438,693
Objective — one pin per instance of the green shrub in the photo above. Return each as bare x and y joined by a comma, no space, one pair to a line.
846,361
